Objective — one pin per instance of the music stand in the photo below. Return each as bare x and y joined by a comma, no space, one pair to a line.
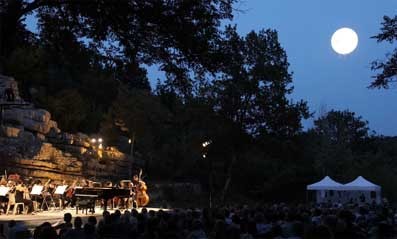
46,202
4,191
36,191
60,190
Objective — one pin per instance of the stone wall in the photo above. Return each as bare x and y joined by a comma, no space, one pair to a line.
32,145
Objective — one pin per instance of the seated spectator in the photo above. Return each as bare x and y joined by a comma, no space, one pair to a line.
197,231
77,232
66,225
90,228
18,230
45,231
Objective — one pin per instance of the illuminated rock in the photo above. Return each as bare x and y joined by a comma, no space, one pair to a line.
32,145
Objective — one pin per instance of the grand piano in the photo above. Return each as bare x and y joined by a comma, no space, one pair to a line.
87,196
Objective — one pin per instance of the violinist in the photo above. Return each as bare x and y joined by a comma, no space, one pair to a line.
47,195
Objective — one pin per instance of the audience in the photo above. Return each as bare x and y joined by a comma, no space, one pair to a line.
240,222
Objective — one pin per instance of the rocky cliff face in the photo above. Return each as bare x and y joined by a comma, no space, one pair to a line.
32,145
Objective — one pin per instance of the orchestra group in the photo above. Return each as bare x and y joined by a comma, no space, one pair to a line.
29,196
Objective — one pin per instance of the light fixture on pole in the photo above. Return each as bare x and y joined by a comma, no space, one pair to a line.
131,142
205,145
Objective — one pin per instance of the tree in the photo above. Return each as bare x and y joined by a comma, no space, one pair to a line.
335,143
175,34
251,92
341,127
388,67
69,109
85,46
254,85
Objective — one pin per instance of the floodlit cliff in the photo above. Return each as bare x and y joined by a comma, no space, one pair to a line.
32,145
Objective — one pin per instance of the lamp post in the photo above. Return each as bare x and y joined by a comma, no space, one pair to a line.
205,149
131,142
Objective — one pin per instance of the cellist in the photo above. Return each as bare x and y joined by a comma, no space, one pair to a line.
139,187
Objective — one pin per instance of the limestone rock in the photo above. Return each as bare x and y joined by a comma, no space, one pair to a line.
32,119
32,145
40,136
9,131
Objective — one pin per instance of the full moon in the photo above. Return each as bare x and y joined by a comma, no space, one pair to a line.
344,41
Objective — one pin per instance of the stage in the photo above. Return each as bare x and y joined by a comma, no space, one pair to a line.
54,217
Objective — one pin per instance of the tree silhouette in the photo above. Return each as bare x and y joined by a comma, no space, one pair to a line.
388,67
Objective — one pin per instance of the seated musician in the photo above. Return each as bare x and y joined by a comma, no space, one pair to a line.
22,189
68,196
122,202
3,181
134,186
3,199
37,199
15,195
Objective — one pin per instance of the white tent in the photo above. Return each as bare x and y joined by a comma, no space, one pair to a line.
361,184
326,183
325,190
364,190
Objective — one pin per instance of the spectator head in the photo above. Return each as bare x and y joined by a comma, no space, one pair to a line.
144,210
48,232
152,213
92,220
78,222
118,213
67,217
105,213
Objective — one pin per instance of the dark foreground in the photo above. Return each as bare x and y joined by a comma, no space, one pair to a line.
240,222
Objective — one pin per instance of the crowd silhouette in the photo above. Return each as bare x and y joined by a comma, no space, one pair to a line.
238,222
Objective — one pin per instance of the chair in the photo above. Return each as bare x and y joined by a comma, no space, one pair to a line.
15,200
11,201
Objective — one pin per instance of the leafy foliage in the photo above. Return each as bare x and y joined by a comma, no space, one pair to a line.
388,67
341,127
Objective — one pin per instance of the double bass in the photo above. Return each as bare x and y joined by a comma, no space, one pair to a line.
142,198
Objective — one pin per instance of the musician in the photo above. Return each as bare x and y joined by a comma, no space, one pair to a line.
134,186
60,197
140,198
3,181
3,199
15,195
23,190
37,199
51,187
122,202
48,189
68,196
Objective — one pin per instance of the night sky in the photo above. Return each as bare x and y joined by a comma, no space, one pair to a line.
322,77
